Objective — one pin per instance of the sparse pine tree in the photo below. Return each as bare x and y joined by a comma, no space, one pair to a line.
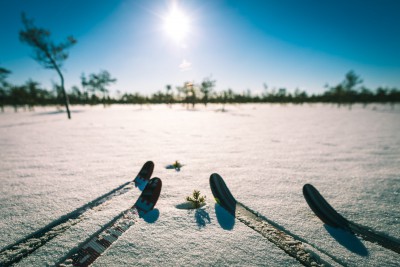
98,83
196,199
206,88
4,86
47,53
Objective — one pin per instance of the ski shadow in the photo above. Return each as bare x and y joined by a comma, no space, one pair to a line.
225,218
202,217
347,240
152,216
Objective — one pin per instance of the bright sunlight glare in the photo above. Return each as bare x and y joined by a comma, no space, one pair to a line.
176,24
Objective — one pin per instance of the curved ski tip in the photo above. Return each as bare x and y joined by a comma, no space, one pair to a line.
149,165
307,188
147,170
323,209
149,197
312,195
153,189
221,193
215,179
155,181
215,176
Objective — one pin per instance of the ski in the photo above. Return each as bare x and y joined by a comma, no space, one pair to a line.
91,249
270,230
331,217
144,174
22,248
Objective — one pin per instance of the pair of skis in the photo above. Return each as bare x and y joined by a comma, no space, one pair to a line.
92,248
146,201
291,244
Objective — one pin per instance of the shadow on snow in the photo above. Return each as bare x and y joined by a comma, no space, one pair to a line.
56,112
225,219
347,240
202,217
152,216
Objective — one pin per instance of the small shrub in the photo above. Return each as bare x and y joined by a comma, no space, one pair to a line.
177,165
196,199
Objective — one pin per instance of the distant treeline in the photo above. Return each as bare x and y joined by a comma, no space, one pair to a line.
94,91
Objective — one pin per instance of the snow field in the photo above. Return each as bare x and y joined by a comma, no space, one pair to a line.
265,153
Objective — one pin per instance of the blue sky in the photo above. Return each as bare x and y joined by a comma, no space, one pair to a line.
241,44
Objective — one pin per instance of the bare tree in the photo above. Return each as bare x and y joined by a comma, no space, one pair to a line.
98,82
181,94
32,88
3,76
206,88
84,84
4,85
169,96
192,94
45,52
351,81
18,96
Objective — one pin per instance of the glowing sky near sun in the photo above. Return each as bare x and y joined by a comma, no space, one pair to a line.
241,44
176,24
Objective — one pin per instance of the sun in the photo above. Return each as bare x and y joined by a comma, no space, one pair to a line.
176,24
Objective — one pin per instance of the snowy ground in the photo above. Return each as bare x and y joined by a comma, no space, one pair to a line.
50,166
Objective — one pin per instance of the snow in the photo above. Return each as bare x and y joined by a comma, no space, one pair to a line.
50,166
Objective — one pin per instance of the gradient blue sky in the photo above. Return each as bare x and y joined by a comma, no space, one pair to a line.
241,44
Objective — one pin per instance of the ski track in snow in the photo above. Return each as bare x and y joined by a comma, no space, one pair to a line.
266,152
22,248
122,222
284,241
296,247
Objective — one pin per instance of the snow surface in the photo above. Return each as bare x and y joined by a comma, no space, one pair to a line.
50,166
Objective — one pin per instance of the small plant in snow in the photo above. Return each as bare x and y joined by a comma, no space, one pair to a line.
196,199
176,165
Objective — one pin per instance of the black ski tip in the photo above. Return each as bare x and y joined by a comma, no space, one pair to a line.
144,174
323,209
221,193
149,197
